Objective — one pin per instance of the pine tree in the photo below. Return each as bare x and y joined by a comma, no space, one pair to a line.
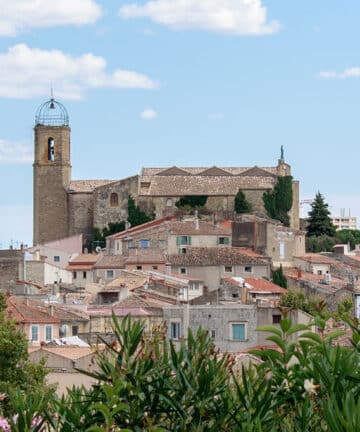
279,277
319,218
241,204
135,215
279,201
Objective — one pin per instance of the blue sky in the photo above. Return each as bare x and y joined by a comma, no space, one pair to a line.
170,82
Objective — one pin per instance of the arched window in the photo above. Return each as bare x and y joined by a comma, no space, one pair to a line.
169,202
114,199
51,149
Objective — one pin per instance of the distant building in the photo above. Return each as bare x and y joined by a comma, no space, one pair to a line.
344,222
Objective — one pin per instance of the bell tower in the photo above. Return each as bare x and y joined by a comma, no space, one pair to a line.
52,172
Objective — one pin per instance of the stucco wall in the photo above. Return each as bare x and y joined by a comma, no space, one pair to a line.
216,319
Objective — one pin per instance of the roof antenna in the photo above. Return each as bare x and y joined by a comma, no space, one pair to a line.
52,105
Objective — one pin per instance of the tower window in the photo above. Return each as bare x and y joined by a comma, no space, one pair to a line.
51,149
114,199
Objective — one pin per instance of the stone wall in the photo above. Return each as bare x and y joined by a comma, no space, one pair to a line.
81,212
104,212
10,268
35,272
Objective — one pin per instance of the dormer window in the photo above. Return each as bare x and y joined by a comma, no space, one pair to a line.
51,149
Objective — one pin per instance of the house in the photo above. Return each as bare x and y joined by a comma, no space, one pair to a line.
268,237
38,325
145,259
181,286
211,264
169,235
82,267
108,268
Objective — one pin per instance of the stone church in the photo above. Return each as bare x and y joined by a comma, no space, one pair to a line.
64,207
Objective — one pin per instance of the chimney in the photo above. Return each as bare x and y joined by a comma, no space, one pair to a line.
299,274
196,220
51,310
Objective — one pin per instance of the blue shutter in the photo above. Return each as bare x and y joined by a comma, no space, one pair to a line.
178,241
226,240
238,331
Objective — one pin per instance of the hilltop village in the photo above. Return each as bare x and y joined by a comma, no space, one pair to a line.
178,248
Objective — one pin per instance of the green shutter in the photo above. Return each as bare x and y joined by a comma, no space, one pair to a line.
226,240
178,241
189,241
238,332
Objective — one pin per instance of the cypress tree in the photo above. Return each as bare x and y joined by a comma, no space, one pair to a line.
278,202
241,204
319,218
279,277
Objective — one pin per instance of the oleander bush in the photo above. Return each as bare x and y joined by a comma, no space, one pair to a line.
299,384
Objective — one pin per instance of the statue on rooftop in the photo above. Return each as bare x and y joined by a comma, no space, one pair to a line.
282,153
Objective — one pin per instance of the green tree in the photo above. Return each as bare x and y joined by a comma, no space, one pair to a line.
278,202
279,278
17,373
241,204
319,222
348,236
99,236
135,215
322,243
191,201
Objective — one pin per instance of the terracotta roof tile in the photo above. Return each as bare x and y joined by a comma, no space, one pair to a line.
23,313
213,256
87,186
110,262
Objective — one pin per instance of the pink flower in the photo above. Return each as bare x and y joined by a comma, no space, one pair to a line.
4,425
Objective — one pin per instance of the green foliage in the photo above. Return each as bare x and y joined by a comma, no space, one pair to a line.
135,215
17,373
279,278
302,383
348,236
99,236
191,201
322,243
313,305
278,202
319,222
241,204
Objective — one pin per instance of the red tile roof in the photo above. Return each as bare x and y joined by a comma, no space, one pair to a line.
263,285
26,314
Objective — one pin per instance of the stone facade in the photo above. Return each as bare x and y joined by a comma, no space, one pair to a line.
217,320
63,207
10,268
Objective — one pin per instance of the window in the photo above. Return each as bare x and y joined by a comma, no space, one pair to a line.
276,319
109,274
56,258
154,267
51,149
74,275
34,331
319,272
183,240
248,269
169,202
114,199
213,334
238,331
84,275
228,269
144,244
282,250
175,330
138,267
182,250
75,330
129,244
183,270
223,240
48,332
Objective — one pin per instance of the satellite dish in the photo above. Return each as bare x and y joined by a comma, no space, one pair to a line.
98,249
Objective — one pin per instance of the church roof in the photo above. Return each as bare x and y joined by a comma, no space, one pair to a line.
201,170
211,185
87,186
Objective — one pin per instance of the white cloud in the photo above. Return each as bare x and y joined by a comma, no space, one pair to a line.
17,15
237,17
216,116
11,152
353,72
29,72
149,114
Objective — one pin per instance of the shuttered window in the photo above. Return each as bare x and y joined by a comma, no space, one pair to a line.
238,331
